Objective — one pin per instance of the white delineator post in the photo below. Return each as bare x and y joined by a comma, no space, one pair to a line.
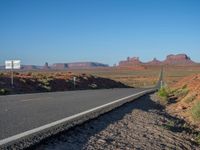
74,79
11,65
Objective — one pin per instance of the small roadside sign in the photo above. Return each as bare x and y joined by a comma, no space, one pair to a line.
8,64
16,64
12,64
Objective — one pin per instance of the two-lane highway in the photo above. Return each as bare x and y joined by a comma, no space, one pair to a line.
20,113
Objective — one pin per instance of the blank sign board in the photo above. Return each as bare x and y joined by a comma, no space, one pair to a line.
12,64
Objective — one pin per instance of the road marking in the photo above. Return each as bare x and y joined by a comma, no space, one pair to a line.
35,99
64,120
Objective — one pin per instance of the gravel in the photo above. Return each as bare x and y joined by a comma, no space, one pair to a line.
142,124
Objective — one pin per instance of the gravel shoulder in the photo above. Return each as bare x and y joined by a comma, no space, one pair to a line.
141,124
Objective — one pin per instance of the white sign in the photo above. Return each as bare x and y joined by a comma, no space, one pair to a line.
16,64
8,64
12,64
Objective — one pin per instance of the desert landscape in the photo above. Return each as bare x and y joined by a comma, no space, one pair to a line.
100,75
180,76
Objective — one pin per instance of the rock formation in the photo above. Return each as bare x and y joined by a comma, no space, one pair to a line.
155,62
134,61
180,59
46,66
175,60
60,66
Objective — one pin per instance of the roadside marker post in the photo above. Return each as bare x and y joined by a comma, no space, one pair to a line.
74,79
161,84
11,65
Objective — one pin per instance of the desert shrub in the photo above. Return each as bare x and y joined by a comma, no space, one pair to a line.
184,87
181,93
190,98
4,91
22,80
48,88
1,74
16,73
29,74
163,94
197,139
195,111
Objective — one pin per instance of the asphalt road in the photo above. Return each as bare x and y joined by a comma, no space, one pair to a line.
20,113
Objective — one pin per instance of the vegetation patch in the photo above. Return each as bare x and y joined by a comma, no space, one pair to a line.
195,111
181,93
4,91
190,98
163,94
197,139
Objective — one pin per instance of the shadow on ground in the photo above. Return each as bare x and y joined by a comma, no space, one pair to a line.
77,137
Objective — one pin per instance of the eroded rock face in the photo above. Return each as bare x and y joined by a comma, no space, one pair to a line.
181,59
155,62
130,61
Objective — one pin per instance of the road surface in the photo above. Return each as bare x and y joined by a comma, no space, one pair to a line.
20,113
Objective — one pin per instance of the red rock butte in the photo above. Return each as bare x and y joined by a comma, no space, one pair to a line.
174,60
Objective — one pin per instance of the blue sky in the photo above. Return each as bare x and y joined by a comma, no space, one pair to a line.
39,31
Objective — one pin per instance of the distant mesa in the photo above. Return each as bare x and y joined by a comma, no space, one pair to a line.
180,59
77,65
130,61
59,66
174,60
29,67
62,66
155,62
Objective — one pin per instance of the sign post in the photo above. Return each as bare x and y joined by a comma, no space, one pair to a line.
11,65
74,79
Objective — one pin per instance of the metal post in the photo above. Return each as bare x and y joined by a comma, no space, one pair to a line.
161,84
12,76
74,82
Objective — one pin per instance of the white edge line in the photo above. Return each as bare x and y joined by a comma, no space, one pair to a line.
48,126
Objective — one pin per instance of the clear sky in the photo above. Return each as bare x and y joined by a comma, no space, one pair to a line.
39,31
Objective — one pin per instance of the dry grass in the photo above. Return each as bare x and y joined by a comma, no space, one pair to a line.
134,78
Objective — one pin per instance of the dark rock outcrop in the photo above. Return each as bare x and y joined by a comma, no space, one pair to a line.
80,65
46,66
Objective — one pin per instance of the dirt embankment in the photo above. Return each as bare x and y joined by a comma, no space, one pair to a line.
33,82
186,99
